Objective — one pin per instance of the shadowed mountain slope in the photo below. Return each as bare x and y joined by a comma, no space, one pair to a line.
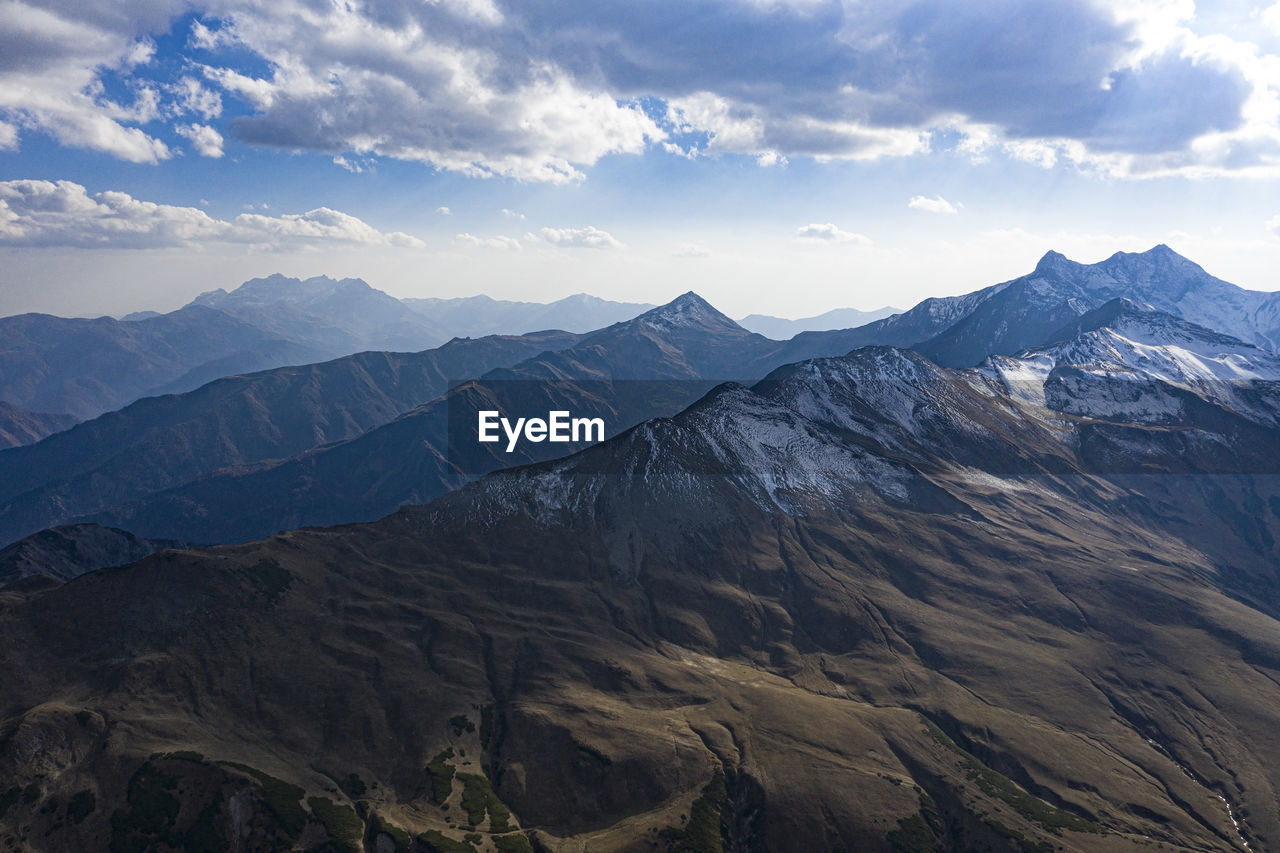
161,442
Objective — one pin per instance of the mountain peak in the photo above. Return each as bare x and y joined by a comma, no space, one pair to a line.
1053,262
690,310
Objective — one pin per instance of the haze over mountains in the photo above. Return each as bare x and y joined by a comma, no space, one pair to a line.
866,602
85,367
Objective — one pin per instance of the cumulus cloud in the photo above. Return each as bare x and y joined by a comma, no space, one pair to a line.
207,141
828,233
444,211
936,204
540,92
52,60
1273,225
63,213
580,238
505,244
511,214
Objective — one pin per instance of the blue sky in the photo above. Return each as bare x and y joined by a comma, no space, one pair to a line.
778,156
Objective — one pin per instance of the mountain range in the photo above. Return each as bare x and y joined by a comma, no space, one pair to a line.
653,365
82,368
158,443
867,602
482,315
781,329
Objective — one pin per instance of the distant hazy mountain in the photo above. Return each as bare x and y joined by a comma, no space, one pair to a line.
655,364
69,551
161,442
869,603
781,329
482,315
338,317
87,367
19,427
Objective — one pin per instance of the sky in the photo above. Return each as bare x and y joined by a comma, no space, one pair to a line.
782,157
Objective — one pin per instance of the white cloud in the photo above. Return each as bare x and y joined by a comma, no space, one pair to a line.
51,63
828,233
589,237
1270,17
542,92
506,244
191,96
936,204
206,140
692,250
63,213
1273,225
354,168
511,214
444,211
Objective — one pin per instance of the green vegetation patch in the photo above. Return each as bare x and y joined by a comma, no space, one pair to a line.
340,821
913,835
281,797
272,579
152,811
356,786
399,838
205,835
441,773
1024,846
81,806
437,842
151,807
514,843
186,755
702,833
478,797
1005,789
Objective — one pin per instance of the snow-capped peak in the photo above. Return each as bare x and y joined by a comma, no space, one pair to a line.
687,310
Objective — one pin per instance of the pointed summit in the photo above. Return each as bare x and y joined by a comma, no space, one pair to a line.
689,310
1054,262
